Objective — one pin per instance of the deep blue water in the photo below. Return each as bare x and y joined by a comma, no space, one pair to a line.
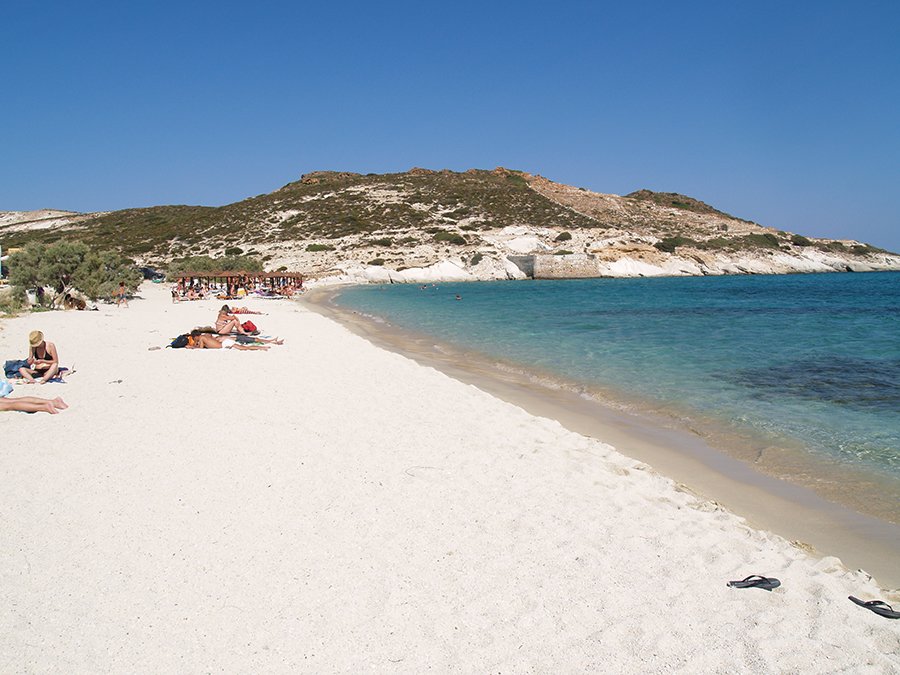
814,358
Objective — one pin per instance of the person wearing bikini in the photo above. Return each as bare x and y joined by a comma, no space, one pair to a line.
227,323
198,340
43,359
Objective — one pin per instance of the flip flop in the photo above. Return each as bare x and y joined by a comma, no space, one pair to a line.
756,581
877,606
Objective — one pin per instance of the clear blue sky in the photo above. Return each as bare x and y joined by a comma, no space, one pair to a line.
786,113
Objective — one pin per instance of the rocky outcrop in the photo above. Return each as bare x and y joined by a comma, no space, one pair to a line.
44,219
445,271
316,177
424,226
502,258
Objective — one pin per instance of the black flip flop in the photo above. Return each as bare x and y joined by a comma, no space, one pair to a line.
756,581
877,606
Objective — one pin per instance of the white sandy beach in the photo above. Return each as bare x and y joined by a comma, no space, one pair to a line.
329,506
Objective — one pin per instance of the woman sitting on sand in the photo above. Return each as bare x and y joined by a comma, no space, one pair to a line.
33,404
43,360
228,323
198,340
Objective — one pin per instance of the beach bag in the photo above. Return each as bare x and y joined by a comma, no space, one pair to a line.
5,388
179,342
11,368
249,326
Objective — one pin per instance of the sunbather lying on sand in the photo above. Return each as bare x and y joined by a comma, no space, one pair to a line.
198,340
256,338
33,404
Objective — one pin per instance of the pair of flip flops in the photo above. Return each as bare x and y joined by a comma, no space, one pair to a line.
877,606
756,581
768,583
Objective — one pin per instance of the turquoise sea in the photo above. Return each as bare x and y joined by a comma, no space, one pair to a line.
808,360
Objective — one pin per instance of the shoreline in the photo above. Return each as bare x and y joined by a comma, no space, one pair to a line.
793,511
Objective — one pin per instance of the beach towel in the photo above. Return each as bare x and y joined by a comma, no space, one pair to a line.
5,388
58,378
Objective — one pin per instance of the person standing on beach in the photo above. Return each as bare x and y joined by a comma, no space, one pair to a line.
120,295
43,359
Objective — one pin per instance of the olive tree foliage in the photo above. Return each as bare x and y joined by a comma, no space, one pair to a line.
99,274
68,266
25,267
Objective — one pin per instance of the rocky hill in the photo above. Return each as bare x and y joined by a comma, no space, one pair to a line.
425,225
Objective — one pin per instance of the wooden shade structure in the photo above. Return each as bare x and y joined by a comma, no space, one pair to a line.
271,280
239,274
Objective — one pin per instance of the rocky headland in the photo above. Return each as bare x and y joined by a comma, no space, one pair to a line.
425,225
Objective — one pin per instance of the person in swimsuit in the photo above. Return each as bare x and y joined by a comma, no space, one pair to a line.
198,340
43,359
120,295
227,322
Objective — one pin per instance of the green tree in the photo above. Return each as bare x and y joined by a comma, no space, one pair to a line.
99,274
68,266
25,267
59,263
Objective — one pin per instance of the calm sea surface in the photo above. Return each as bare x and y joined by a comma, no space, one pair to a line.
810,359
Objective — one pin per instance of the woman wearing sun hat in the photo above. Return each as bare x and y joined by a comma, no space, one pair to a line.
43,359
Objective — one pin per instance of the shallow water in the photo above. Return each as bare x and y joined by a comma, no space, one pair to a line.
802,361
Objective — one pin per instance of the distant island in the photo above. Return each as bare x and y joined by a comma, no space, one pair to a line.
426,225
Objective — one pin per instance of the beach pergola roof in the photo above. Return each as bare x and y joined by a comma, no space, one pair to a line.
238,273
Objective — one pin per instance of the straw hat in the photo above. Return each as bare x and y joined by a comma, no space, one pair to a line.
35,338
